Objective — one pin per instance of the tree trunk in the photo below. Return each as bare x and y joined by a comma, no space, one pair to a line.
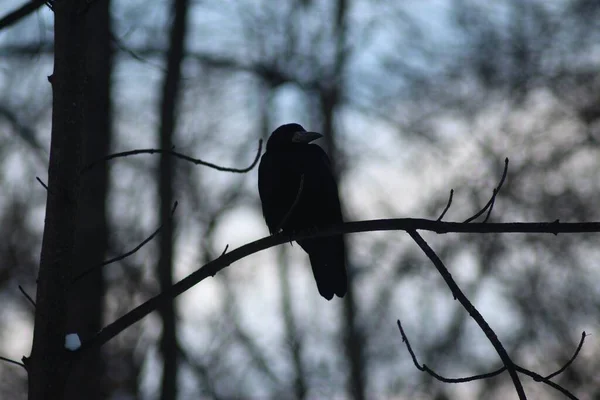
49,362
353,339
330,97
86,299
168,340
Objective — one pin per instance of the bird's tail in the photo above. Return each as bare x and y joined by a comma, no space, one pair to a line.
327,260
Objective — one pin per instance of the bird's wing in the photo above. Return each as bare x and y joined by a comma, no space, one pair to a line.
327,254
320,182
278,183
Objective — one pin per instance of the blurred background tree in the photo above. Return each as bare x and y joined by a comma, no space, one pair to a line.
414,98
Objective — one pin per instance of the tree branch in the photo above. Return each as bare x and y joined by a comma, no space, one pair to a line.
564,367
28,297
538,378
41,182
425,368
473,312
406,224
490,204
20,13
124,255
8,360
447,206
178,155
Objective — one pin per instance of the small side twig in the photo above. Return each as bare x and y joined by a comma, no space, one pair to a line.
224,251
447,206
425,368
490,204
28,297
124,255
8,360
564,367
173,153
41,182
294,204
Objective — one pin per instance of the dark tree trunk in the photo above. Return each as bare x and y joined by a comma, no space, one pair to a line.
353,340
86,299
49,363
292,334
168,340
329,99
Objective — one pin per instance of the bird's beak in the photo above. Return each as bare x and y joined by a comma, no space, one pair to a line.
305,137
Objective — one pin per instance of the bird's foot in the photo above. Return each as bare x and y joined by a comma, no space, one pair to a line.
289,234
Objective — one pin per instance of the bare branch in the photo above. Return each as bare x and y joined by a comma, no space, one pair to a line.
406,224
535,376
125,255
425,368
490,204
195,161
564,367
538,378
20,13
41,182
447,206
473,312
27,296
225,250
8,360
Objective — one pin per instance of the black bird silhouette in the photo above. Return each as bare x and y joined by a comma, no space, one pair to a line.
298,192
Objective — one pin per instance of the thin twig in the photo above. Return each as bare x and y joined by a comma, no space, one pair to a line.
121,46
538,378
122,256
564,367
473,312
8,360
294,204
224,251
447,206
425,368
195,161
27,296
490,203
41,183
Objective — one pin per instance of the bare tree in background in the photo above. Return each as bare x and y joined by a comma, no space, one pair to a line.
168,112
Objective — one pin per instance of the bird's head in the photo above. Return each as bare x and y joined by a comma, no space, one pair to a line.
290,134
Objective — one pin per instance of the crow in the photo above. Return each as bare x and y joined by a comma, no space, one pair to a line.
298,192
